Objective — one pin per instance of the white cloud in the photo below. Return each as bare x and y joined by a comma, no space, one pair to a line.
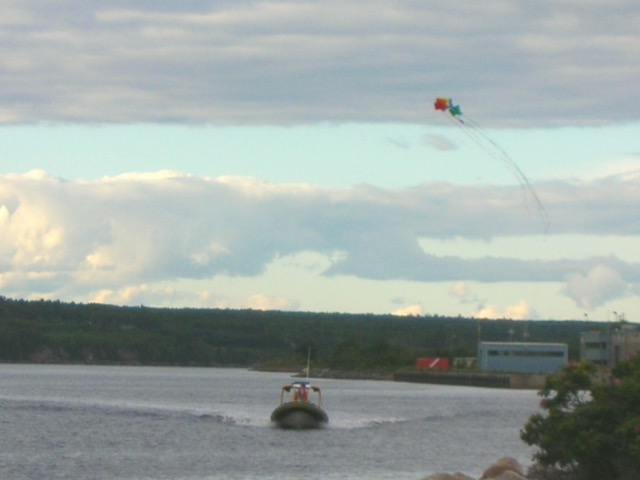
261,301
627,168
109,238
209,254
598,286
142,294
520,311
131,237
463,291
286,62
409,311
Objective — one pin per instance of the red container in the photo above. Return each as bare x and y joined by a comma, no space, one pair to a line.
432,363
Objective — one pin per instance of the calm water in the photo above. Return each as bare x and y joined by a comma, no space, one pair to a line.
76,422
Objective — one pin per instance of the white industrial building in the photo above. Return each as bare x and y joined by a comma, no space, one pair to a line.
522,357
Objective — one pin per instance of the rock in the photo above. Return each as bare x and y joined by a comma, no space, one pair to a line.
509,475
506,468
503,466
447,476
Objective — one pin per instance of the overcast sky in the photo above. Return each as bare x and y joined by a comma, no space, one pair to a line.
287,155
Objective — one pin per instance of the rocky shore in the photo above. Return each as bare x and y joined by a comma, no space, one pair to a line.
506,468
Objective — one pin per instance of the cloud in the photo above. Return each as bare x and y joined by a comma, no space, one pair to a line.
627,167
170,296
261,301
600,285
113,238
521,311
464,293
154,294
409,311
255,62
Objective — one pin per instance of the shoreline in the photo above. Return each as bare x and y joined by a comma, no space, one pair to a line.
521,381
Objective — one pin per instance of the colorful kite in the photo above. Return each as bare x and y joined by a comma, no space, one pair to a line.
442,104
446,105
482,139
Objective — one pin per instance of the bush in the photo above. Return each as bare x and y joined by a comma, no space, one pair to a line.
589,429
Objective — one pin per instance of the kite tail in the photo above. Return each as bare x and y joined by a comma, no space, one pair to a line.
484,141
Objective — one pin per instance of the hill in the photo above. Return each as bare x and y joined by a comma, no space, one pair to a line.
56,332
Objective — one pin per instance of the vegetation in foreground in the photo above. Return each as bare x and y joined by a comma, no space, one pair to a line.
590,425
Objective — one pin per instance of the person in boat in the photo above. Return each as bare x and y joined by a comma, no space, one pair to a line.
301,394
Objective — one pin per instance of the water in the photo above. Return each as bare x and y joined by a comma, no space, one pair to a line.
134,423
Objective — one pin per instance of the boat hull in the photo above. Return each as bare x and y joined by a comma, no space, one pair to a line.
299,416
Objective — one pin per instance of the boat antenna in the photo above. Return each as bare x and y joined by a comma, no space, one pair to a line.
308,361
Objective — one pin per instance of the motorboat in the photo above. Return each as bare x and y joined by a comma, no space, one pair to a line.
297,410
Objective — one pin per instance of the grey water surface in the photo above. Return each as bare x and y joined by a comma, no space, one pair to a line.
134,423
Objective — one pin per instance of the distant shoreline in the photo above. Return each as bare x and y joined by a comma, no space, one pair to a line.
456,378
328,373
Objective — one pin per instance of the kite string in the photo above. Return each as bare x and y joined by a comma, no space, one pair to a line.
476,133
481,141
482,138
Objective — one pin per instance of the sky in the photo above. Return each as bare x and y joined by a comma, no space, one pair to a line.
287,155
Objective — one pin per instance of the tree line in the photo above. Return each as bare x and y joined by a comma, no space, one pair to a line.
45,331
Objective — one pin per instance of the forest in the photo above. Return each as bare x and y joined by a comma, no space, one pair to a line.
45,331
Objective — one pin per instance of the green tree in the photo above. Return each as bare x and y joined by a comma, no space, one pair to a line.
589,428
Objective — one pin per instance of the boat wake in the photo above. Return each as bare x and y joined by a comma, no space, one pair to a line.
228,415
129,409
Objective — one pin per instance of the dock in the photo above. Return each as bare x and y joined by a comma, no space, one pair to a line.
523,381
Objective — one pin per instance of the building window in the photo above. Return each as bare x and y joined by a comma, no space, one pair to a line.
526,353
